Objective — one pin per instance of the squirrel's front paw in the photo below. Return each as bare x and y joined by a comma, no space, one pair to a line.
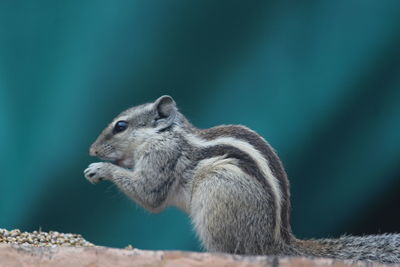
98,171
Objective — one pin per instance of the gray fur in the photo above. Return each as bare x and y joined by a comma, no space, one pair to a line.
223,177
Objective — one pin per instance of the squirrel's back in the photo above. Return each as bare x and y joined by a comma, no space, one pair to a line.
272,162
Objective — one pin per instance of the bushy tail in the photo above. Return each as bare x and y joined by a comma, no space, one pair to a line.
381,248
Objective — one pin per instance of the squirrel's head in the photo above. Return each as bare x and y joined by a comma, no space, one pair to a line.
133,128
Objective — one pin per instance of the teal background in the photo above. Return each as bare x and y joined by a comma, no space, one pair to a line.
319,79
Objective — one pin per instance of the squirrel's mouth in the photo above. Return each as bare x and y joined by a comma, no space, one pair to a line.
125,163
117,160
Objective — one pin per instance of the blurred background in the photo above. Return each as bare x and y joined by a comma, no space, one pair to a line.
320,80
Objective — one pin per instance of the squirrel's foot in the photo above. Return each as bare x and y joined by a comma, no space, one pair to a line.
98,171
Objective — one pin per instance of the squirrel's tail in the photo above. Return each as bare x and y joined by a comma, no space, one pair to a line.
382,248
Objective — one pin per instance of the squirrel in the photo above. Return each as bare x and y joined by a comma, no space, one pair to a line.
228,179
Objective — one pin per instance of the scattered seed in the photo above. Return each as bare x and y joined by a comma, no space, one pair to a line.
39,238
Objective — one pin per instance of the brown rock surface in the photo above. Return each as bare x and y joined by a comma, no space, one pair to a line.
26,255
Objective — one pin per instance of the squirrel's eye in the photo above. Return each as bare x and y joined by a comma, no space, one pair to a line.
120,126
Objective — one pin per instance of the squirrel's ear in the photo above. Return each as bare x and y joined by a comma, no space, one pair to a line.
166,110
165,106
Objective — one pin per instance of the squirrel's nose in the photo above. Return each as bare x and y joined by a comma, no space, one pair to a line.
92,151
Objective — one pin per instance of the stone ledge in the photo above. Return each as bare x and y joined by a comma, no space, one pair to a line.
26,255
